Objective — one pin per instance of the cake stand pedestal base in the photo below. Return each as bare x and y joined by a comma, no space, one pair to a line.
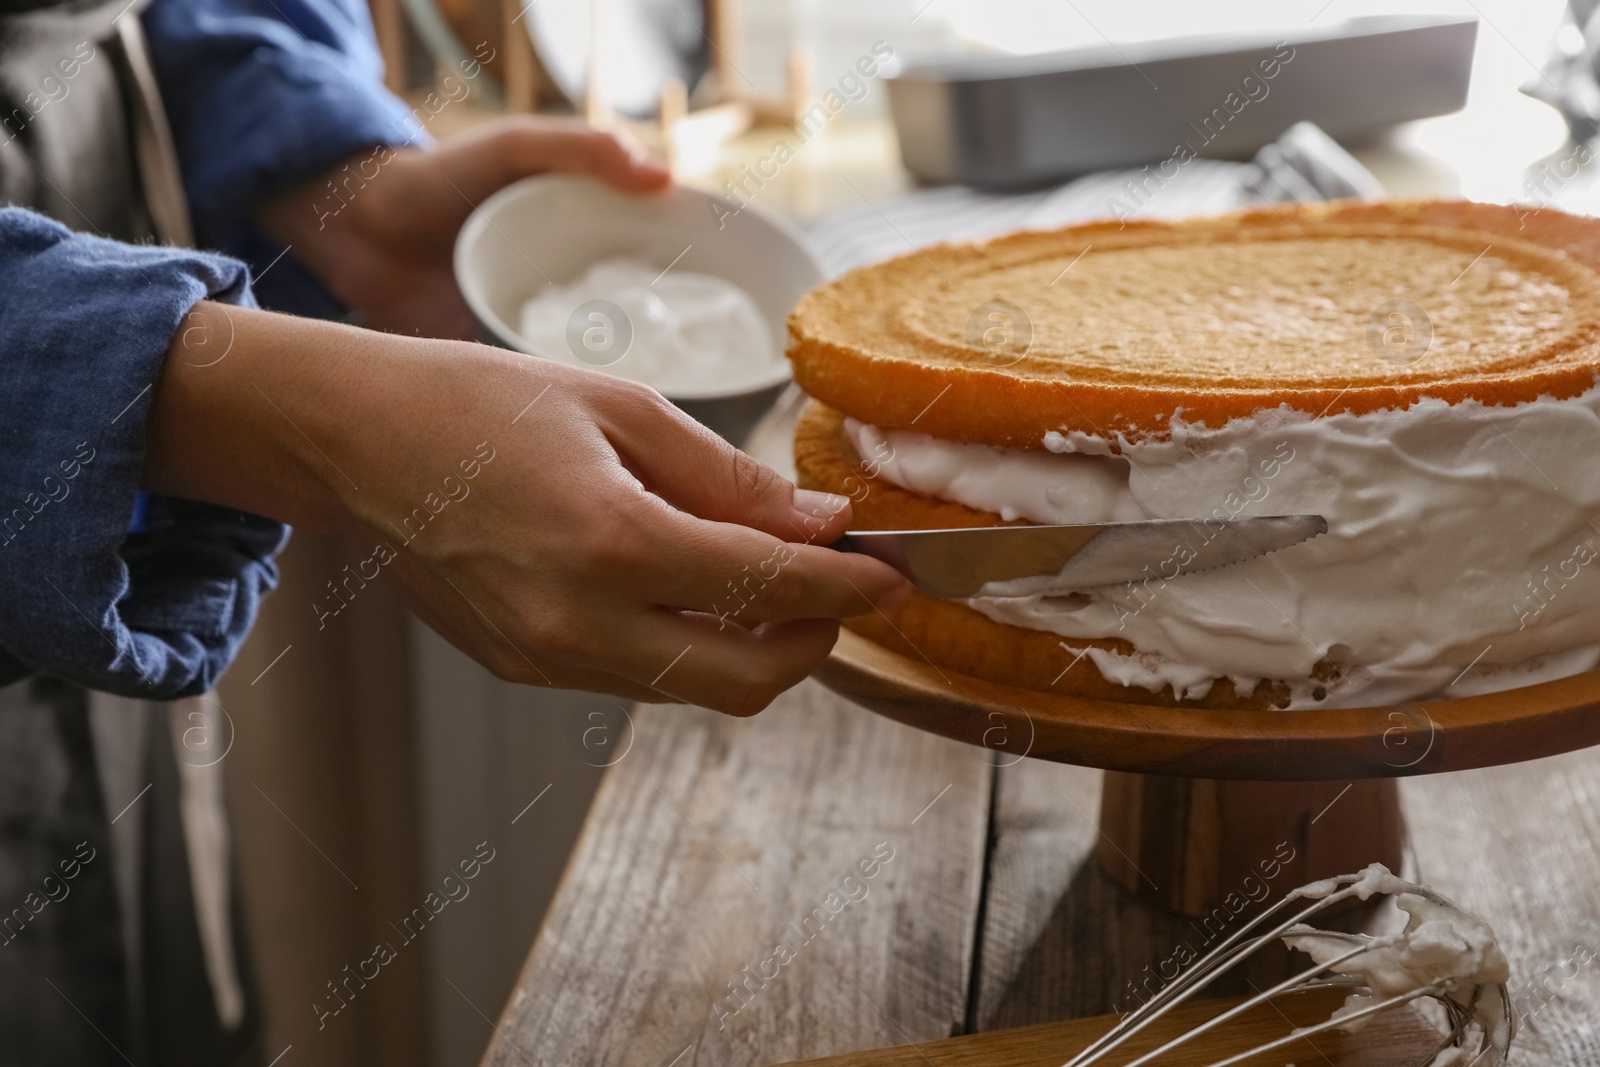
1197,802
1194,845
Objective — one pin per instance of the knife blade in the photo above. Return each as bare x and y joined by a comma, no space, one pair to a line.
1025,560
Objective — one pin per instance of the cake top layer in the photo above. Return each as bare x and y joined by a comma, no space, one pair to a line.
1104,329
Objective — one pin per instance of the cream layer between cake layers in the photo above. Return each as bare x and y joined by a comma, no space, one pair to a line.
1462,554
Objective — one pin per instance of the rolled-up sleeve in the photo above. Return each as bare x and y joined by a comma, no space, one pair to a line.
84,326
264,93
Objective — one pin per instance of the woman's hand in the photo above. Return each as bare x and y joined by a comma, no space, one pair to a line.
562,527
379,230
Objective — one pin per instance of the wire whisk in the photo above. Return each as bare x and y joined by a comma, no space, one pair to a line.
1445,960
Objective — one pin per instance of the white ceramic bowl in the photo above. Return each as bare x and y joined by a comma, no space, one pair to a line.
554,226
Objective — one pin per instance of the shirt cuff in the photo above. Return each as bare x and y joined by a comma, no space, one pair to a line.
84,328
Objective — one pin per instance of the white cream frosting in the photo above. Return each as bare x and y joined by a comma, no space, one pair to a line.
1459,559
682,329
1442,947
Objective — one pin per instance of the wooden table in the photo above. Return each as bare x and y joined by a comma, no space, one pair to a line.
715,839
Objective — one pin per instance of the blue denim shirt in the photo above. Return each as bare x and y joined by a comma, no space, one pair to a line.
260,93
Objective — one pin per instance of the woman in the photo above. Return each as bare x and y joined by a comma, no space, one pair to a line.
160,429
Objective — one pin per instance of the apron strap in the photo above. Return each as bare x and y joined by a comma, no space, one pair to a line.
152,137
201,805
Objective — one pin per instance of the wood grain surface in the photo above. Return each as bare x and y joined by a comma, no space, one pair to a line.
656,917
1315,744
1516,844
1520,846
715,841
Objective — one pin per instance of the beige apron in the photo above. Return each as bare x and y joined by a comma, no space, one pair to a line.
94,151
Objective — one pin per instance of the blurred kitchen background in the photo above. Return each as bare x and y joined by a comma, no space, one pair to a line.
370,757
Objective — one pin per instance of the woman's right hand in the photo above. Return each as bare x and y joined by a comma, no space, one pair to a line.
562,527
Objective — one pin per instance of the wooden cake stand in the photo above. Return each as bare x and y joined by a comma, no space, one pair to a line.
1196,800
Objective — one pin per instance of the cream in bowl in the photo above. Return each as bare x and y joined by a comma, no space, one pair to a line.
681,289
676,330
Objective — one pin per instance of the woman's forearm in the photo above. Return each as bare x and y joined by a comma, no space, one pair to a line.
261,411
563,527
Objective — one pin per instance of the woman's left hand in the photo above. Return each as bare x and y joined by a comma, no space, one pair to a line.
381,236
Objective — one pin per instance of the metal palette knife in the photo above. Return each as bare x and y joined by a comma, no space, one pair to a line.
1025,560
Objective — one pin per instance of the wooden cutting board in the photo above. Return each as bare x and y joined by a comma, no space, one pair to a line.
1399,1038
